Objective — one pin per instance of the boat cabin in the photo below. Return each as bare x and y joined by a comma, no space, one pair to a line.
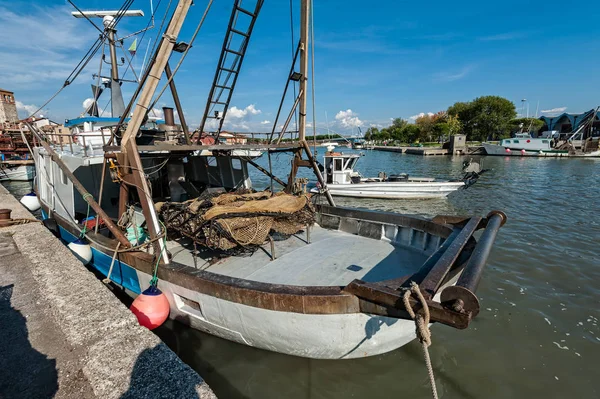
339,167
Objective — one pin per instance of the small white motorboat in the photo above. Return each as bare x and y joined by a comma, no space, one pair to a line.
10,171
343,180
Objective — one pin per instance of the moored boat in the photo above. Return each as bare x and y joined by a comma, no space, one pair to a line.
316,281
523,145
343,180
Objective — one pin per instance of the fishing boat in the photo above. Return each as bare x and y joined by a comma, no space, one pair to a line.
344,181
17,170
16,163
522,145
269,270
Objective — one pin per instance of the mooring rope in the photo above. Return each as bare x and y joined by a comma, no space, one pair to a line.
112,264
13,222
423,332
86,196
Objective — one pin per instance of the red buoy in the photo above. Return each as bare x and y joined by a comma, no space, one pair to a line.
151,308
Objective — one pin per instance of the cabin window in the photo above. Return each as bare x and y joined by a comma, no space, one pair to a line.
211,161
544,141
515,141
63,177
337,164
236,164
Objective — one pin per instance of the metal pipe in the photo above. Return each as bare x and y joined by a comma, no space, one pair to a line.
461,297
289,118
169,117
472,274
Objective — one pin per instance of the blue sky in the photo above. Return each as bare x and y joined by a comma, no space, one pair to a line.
374,61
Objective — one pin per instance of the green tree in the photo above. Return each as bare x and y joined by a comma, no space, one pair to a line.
399,123
484,117
371,133
412,133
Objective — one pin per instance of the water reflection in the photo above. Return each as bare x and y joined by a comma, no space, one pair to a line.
537,334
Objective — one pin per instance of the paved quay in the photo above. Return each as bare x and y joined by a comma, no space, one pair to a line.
63,334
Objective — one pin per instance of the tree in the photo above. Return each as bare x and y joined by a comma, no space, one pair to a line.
371,133
484,117
399,123
412,133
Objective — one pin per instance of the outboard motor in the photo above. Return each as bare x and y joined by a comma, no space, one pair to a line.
472,171
398,177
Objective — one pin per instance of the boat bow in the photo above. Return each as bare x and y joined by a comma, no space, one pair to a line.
458,303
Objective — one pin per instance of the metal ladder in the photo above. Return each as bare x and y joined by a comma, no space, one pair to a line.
230,63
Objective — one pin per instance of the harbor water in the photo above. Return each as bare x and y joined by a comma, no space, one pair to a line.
538,332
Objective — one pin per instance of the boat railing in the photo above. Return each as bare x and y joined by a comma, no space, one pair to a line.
78,142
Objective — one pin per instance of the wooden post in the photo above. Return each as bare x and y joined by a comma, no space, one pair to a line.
81,189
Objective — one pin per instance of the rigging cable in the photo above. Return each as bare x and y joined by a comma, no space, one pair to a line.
87,57
184,54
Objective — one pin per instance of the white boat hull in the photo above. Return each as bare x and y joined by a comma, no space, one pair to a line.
329,336
495,149
17,173
394,190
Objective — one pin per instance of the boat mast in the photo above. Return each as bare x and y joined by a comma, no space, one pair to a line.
116,97
304,18
109,23
304,13
128,144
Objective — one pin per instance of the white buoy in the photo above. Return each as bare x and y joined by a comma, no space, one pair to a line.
82,250
31,202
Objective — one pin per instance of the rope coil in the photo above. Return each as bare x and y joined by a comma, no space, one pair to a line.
422,326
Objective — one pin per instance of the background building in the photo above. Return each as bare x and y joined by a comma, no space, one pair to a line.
566,123
8,107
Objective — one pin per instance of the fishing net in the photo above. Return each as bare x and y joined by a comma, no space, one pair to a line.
232,221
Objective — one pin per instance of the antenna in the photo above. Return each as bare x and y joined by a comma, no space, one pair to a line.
109,22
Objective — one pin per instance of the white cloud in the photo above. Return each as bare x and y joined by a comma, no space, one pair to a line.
265,123
156,113
237,113
25,110
417,116
240,119
557,110
348,119
33,51
451,76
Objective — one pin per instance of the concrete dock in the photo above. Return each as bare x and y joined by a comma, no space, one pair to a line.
63,333
425,151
